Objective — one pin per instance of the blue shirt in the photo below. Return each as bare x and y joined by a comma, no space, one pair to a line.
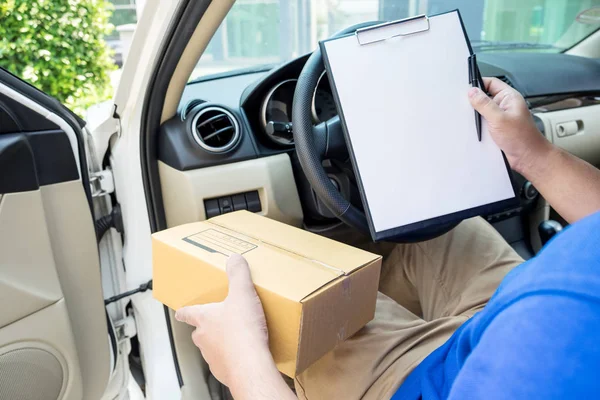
537,338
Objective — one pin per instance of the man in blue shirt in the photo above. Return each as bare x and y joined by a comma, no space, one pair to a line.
457,316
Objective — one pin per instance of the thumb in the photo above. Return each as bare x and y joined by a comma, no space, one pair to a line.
484,105
238,274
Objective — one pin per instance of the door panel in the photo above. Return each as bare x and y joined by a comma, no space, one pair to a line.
32,305
23,228
53,327
73,240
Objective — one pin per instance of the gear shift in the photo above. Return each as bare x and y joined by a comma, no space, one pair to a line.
547,229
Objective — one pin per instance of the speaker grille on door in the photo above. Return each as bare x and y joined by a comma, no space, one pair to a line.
30,374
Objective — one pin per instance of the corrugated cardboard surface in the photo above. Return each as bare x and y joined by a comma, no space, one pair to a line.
336,312
309,245
315,291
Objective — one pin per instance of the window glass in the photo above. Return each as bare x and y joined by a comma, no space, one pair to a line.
263,32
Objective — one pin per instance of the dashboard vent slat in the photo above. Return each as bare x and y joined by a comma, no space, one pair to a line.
215,129
217,133
211,120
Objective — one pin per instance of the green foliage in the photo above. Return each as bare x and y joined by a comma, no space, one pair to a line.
58,46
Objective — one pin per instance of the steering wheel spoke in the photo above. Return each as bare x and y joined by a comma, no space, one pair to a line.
329,140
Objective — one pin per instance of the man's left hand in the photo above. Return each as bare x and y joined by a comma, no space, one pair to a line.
232,336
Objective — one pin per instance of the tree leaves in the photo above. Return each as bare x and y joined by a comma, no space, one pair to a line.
58,46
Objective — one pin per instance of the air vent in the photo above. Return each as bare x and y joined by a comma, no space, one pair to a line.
215,129
506,80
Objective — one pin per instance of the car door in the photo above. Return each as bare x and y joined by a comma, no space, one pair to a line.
54,339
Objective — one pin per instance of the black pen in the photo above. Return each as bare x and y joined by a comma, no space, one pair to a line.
474,81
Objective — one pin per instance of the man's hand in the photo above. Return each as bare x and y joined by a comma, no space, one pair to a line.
569,184
510,123
232,337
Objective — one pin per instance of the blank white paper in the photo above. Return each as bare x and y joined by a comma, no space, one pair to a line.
411,126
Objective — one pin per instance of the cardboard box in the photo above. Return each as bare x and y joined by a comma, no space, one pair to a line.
315,292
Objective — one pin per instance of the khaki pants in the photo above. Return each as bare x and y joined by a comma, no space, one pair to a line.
427,291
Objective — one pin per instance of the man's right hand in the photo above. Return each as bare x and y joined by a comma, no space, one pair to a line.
569,184
510,123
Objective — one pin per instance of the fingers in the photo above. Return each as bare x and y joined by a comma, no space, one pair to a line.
191,315
240,283
484,105
502,96
494,86
238,273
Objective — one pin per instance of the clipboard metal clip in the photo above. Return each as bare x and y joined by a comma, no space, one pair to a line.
388,30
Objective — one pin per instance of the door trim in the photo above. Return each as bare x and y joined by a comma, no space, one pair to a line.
62,124
54,111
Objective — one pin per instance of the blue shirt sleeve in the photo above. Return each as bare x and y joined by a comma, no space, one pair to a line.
543,346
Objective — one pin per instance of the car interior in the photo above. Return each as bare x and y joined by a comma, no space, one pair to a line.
227,142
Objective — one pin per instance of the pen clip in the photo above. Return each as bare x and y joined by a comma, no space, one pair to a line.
470,65
474,72
477,74
475,80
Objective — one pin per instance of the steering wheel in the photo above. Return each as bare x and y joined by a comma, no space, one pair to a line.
326,141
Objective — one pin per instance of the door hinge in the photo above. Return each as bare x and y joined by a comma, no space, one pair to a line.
125,328
102,183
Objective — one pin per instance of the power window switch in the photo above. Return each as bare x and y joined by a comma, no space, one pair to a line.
225,205
211,207
253,201
239,202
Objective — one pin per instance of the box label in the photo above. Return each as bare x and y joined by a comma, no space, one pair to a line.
214,241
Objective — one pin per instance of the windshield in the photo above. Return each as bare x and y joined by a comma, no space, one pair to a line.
259,33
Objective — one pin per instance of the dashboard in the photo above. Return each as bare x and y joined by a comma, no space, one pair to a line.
226,120
261,101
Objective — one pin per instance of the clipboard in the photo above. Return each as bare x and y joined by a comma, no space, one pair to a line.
377,55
